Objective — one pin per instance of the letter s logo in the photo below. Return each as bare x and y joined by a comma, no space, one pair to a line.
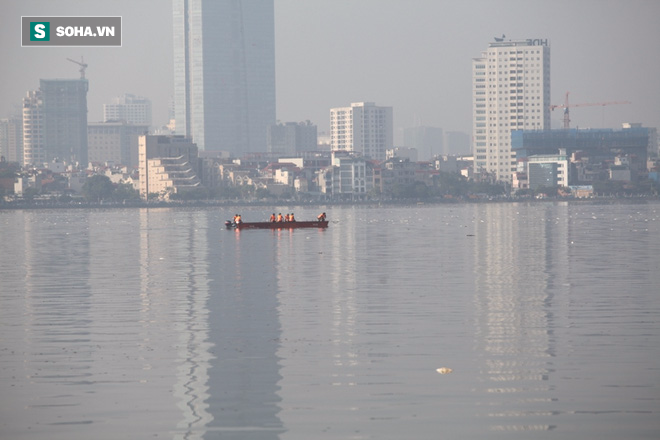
39,31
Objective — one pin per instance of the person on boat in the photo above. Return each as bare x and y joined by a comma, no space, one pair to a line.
292,218
321,217
237,219
279,218
273,218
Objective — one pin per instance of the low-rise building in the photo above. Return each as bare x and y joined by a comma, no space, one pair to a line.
166,160
171,175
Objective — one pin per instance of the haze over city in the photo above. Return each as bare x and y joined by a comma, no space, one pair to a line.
412,55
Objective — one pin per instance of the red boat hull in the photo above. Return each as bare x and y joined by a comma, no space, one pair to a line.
277,225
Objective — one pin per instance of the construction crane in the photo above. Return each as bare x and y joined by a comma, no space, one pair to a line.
82,65
566,105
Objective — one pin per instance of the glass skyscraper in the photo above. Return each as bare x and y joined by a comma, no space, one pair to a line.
224,73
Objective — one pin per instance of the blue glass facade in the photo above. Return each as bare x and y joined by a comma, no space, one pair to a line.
629,140
224,73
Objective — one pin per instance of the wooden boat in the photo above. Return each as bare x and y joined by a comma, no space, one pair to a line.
277,225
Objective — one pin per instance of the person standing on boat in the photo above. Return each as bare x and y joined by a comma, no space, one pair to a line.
237,219
321,217
279,218
292,218
273,218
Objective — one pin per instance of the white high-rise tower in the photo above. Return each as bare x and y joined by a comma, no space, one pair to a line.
363,128
511,91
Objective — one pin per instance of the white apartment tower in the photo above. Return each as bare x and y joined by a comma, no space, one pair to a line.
362,128
511,91
34,150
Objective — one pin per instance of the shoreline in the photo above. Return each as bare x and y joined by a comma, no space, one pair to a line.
211,204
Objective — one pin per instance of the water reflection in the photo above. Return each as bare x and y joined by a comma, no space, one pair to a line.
220,291
515,301
245,330
57,306
159,322
174,272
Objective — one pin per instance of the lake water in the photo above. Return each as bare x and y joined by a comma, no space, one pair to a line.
159,323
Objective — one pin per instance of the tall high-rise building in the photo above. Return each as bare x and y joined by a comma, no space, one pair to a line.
11,138
456,143
224,73
55,122
129,108
34,151
292,137
362,128
511,91
427,140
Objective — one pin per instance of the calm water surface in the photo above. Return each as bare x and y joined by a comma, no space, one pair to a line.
158,323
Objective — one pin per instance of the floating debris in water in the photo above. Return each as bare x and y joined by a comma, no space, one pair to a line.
444,370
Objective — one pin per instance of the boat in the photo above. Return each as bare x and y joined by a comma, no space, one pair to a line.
277,225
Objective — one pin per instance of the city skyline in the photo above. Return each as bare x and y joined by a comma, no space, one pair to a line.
415,59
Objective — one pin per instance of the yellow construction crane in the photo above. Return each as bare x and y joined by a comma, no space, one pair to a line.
565,106
82,65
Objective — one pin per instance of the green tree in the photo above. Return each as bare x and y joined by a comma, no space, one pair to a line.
124,192
29,193
487,188
227,192
263,193
452,184
97,188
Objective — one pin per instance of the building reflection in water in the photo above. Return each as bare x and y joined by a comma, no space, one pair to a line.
516,296
56,312
218,288
245,330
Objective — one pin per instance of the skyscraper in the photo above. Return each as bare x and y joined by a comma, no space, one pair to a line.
427,140
292,137
224,73
511,91
33,132
362,128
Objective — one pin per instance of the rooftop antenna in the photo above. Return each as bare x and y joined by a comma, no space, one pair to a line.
82,65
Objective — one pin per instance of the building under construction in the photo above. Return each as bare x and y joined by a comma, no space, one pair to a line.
594,154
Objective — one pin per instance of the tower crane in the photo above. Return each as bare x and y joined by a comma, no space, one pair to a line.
82,65
566,105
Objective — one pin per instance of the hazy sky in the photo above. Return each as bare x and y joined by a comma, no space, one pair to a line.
413,55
